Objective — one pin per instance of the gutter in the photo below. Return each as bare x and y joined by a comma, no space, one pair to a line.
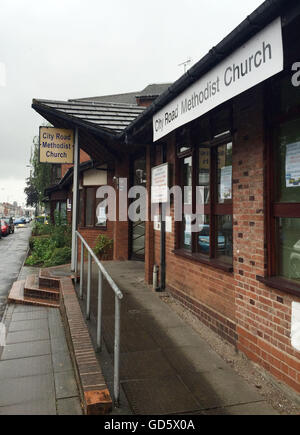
260,18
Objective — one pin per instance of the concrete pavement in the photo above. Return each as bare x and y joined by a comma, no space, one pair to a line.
166,367
36,372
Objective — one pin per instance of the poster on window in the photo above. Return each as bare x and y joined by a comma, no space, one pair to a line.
101,218
226,183
188,230
292,165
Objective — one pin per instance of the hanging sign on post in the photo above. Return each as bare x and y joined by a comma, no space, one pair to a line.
56,146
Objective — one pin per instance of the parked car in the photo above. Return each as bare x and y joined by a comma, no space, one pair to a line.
11,225
4,228
42,219
20,223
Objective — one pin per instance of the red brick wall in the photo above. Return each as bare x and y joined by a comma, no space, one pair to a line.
84,157
91,234
263,315
253,317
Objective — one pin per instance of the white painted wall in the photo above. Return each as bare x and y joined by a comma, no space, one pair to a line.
92,177
295,331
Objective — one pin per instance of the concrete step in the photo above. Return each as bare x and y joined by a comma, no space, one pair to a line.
33,289
45,280
16,296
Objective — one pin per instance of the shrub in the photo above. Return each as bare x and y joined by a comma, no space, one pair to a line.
103,247
41,229
42,249
51,245
59,256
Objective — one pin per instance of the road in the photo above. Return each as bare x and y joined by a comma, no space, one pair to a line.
13,250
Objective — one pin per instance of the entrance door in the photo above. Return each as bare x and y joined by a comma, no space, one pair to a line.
138,228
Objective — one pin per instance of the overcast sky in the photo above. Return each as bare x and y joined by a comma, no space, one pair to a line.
61,49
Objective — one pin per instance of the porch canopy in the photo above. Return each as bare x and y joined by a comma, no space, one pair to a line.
100,124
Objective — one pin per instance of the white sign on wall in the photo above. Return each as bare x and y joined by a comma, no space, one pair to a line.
295,329
160,184
257,60
292,165
157,223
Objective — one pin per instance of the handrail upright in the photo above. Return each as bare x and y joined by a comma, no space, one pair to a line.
118,297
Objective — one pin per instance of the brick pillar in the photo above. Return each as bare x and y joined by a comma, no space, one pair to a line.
149,236
121,229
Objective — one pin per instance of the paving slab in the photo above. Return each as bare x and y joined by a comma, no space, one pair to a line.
65,385
21,367
194,359
61,362
133,340
59,344
37,407
30,315
28,366
24,336
23,350
144,365
178,336
56,330
257,408
27,308
26,325
220,388
28,389
69,406
160,396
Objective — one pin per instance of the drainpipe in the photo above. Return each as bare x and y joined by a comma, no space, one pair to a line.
75,203
163,235
155,277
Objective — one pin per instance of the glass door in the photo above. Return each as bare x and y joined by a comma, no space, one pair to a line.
138,228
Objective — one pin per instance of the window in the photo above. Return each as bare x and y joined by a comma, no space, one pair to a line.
284,183
55,173
93,215
205,168
61,210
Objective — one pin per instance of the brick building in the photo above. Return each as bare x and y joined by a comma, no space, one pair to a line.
104,116
230,130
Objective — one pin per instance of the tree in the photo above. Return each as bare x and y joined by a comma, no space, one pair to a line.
39,179
31,193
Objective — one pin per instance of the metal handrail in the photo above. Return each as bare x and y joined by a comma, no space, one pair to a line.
118,297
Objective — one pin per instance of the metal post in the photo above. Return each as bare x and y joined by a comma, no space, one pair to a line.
163,248
117,351
76,257
99,314
81,271
74,203
88,297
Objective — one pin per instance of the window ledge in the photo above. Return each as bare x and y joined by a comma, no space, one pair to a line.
93,228
281,284
207,261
